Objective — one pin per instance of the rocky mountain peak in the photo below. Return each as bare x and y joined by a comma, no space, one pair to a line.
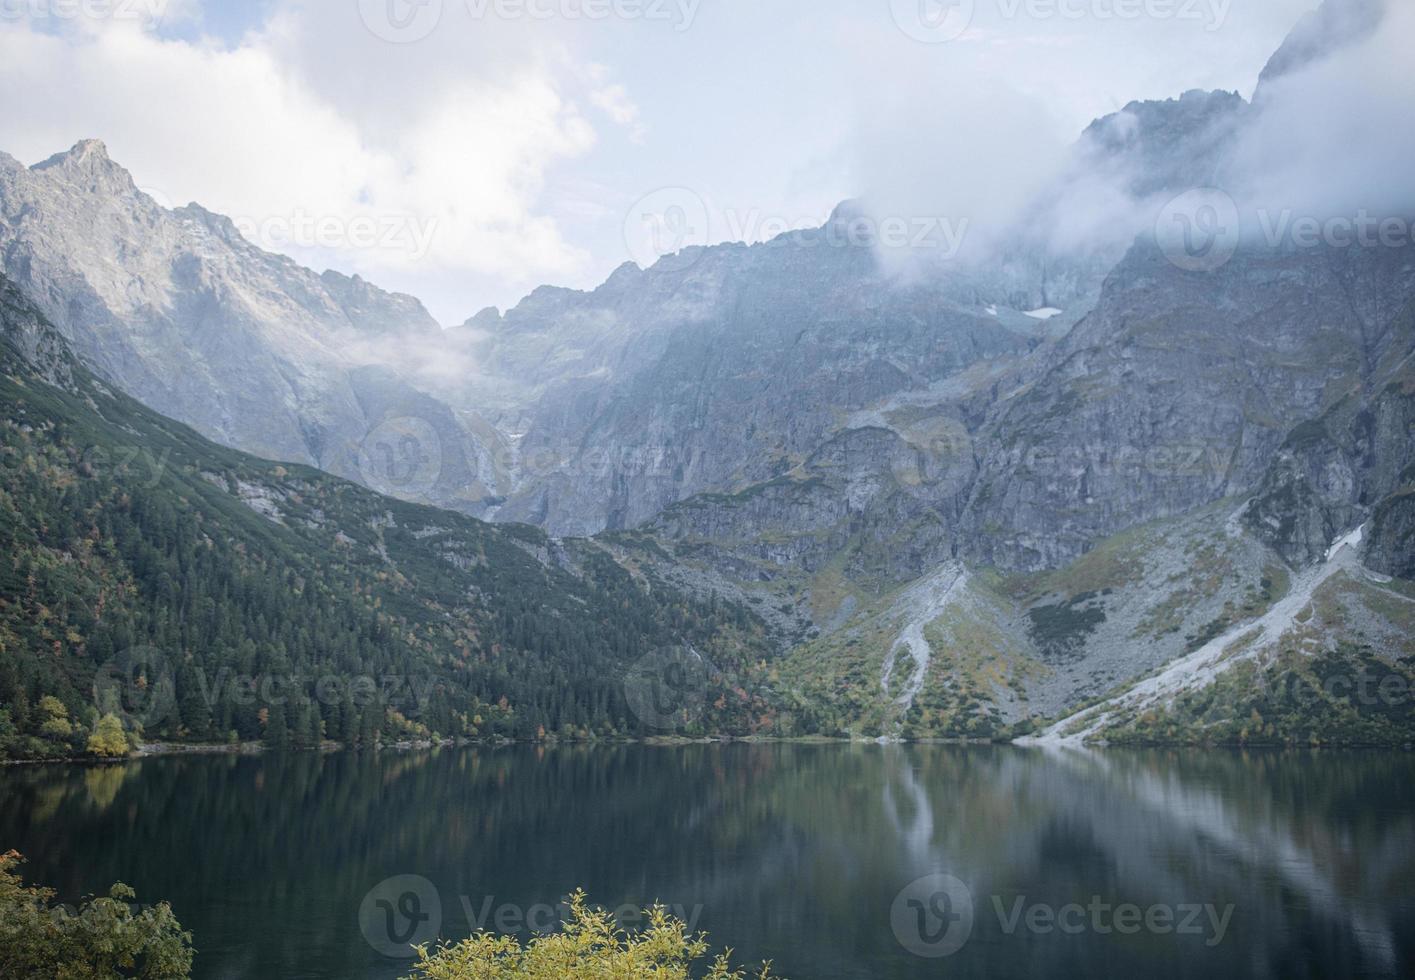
372,310
1167,144
846,211
624,277
88,152
87,164
218,224
180,310
1136,118
487,319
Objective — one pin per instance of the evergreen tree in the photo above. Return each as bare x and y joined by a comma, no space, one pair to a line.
277,729
370,722
192,705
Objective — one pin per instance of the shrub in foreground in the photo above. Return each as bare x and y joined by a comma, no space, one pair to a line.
105,938
591,947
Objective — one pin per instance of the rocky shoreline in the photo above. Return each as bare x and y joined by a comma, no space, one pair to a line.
153,750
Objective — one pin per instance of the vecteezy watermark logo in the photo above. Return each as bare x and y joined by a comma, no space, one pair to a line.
1366,686
938,444
394,232
662,225
679,13
1103,918
668,689
399,913
933,21
1362,230
508,918
136,465
137,686
941,235
143,11
1212,13
662,228
1199,230
401,457
933,916
270,689
401,21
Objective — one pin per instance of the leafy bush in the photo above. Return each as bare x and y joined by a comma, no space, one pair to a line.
101,940
108,740
592,947
55,721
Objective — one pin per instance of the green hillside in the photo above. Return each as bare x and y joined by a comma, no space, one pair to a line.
203,594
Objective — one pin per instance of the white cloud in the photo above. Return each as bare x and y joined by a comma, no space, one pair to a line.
1335,137
291,126
522,143
613,99
981,141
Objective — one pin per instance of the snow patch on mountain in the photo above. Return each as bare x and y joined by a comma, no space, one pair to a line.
1350,540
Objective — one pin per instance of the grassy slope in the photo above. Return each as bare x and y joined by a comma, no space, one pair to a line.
1026,647
1343,674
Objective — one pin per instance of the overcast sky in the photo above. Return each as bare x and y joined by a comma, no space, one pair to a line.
468,150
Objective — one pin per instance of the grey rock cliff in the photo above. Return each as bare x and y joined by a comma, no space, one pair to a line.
178,309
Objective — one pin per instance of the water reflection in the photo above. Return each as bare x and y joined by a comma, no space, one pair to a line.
792,853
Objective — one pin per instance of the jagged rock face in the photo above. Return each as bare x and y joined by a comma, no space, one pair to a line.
1155,147
730,366
42,349
869,492
738,369
733,371
371,310
1334,472
1341,466
1179,390
178,309
1391,546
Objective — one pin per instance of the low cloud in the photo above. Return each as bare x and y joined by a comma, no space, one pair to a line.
289,126
1328,136
1334,137
443,363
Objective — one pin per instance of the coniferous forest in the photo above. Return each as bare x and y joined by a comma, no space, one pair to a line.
194,593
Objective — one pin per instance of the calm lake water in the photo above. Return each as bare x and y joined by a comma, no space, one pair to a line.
835,861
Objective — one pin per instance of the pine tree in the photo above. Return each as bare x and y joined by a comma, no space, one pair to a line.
192,706
314,729
349,723
277,729
370,722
